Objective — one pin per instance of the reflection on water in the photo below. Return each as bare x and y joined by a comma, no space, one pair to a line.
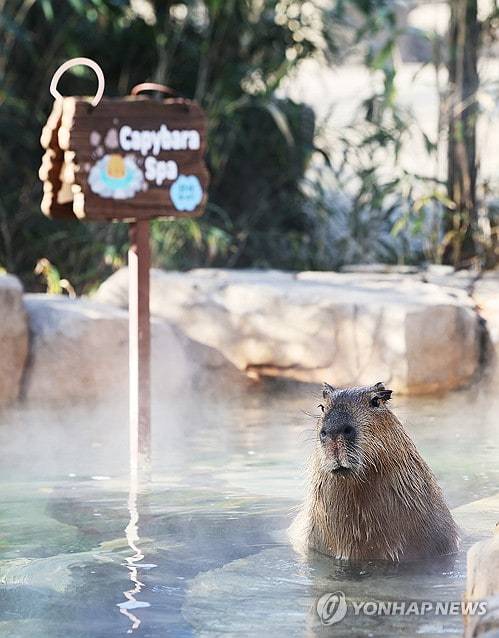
133,562
212,558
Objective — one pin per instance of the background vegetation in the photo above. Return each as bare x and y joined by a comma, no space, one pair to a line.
267,207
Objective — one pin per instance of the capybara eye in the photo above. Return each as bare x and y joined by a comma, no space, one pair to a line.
348,430
375,402
321,407
322,434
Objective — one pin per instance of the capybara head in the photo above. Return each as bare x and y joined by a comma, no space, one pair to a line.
353,428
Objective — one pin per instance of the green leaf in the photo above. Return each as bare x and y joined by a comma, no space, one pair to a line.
47,9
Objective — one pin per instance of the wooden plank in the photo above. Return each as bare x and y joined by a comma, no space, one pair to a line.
55,202
49,131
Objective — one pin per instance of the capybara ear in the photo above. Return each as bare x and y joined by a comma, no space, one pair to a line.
381,392
327,390
384,395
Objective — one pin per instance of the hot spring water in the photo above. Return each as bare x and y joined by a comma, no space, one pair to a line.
203,551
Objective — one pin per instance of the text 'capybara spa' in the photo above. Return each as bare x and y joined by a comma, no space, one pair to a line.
370,494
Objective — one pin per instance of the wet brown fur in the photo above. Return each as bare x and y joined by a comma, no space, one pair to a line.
390,507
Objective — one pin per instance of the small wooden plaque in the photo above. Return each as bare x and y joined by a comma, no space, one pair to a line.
125,159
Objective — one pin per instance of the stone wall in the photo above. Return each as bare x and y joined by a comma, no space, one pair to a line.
13,338
348,328
419,332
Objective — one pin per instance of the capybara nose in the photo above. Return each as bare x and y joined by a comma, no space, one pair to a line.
332,431
347,430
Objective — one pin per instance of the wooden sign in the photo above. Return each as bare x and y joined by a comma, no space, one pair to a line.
125,159
131,159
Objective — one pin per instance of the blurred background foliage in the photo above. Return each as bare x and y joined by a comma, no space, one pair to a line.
276,199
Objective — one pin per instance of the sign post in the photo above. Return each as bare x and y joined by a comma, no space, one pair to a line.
139,347
130,159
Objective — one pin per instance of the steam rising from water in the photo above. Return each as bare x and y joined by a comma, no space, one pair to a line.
110,558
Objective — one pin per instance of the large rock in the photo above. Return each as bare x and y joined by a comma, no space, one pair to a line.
79,351
486,295
344,328
13,338
476,516
483,587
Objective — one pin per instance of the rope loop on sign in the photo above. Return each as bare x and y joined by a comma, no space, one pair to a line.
152,86
76,62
